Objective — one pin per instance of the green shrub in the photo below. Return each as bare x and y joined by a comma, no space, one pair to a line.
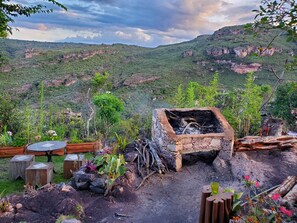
109,107
285,101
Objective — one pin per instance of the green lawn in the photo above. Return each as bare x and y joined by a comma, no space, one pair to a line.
10,187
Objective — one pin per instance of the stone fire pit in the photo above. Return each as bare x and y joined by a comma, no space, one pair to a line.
182,131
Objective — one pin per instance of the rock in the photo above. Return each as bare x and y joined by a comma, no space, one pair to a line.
29,53
5,68
219,164
99,183
242,52
187,53
217,51
131,156
72,220
228,31
203,63
97,190
273,127
137,79
245,68
268,167
18,206
66,188
130,176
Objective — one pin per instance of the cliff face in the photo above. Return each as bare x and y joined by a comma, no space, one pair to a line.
242,51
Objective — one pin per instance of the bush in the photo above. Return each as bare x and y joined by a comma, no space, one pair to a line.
285,101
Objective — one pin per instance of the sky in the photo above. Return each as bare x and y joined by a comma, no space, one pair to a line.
148,23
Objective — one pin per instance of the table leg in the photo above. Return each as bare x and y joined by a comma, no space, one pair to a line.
49,156
49,159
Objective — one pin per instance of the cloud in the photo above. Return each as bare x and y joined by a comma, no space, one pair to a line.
42,27
148,23
123,35
141,35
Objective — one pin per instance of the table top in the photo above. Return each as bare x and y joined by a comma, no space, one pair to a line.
47,146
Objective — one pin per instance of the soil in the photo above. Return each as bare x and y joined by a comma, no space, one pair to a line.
173,197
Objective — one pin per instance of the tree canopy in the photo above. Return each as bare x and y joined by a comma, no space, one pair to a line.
279,14
10,10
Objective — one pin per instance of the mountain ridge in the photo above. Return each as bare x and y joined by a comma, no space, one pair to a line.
138,74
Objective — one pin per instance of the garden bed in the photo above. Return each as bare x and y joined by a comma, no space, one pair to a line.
10,151
70,149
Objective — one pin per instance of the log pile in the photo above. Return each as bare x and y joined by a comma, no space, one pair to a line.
249,143
287,190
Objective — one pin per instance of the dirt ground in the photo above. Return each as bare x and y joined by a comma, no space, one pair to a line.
173,197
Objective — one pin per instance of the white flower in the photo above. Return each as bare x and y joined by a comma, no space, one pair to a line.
52,133
9,133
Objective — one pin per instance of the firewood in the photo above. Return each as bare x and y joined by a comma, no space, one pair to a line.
161,167
145,178
291,196
265,143
285,186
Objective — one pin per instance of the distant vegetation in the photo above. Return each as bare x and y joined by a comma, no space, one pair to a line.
141,78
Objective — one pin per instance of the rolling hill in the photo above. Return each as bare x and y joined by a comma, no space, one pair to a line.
143,77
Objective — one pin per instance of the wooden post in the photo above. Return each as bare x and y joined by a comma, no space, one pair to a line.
206,191
18,165
72,162
215,208
39,174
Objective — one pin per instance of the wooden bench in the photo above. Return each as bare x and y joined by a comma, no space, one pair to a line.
39,174
18,165
72,162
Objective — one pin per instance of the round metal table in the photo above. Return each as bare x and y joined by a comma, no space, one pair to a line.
48,147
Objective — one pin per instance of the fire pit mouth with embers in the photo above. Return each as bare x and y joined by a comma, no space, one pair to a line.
193,122
188,130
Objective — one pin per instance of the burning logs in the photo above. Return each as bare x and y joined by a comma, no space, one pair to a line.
265,143
288,190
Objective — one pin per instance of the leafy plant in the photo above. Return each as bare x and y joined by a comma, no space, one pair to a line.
6,137
121,141
111,165
242,108
198,95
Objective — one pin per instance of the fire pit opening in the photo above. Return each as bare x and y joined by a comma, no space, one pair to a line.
193,122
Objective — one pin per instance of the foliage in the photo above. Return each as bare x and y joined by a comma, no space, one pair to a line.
285,101
9,10
179,98
4,203
242,108
259,207
5,137
111,165
197,95
100,79
278,14
109,107
41,112
121,141
6,108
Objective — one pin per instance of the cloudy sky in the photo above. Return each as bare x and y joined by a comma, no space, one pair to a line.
140,22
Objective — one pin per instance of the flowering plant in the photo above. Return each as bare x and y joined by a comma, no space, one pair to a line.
6,137
261,208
